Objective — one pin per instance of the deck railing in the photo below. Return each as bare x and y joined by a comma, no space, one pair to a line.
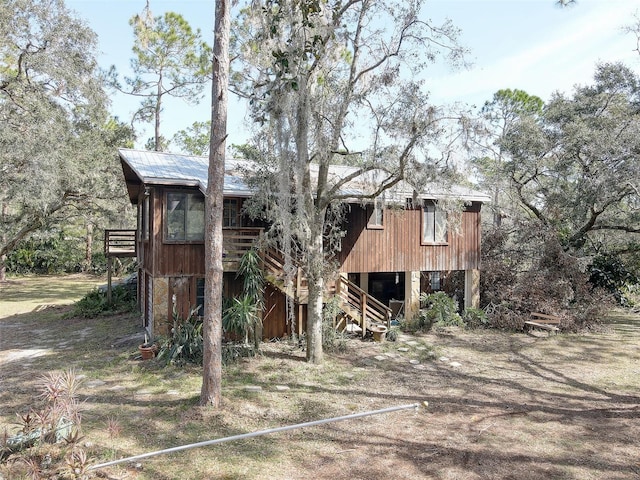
237,241
360,306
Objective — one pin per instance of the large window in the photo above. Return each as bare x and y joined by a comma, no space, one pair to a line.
185,217
434,223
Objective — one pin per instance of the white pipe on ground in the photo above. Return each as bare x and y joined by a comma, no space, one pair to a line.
255,434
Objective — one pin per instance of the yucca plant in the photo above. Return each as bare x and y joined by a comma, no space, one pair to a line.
246,312
185,342
240,317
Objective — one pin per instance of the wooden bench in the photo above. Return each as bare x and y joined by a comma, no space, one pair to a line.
544,321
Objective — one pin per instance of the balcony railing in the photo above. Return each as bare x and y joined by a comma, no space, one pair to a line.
237,241
120,243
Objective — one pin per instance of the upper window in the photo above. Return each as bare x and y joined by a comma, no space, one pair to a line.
375,214
230,212
185,217
434,223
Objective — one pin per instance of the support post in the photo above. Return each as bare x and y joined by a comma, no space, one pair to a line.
109,273
411,294
472,288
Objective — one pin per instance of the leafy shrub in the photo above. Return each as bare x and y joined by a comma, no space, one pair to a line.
94,303
475,318
49,255
240,317
610,273
185,344
439,309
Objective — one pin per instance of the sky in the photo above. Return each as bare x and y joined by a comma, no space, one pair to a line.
532,45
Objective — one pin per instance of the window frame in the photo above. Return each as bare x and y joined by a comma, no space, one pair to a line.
145,218
237,216
188,195
372,217
435,218
200,286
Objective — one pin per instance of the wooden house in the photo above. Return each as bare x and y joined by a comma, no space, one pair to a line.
391,252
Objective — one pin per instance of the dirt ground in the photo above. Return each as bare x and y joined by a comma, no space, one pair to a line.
500,405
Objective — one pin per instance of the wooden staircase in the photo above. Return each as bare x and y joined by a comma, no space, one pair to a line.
357,306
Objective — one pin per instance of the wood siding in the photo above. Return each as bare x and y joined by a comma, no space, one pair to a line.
275,319
397,246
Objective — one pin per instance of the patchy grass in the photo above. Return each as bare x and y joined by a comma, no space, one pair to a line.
501,405
37,293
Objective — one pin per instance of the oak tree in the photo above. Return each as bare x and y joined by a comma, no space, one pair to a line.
329,80
54,162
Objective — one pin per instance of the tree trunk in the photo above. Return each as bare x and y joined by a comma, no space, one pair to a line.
315,352
88,254
156,117
3,268
315,270
212,327
3,257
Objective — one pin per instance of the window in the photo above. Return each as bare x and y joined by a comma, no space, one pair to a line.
200,296
375,214
230,211
185,217
145,218
434,281
434,223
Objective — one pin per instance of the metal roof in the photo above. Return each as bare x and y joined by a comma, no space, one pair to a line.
162,168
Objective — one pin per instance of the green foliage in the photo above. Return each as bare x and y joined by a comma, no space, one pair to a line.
475,318
249,312
169,58
439,309
94,303
240,317
49,255
194,140
184,344
610,273
56,144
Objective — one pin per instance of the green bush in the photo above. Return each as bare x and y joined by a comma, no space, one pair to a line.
185,344
475,318
94,303
439,309
610,273
49,255
240,317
